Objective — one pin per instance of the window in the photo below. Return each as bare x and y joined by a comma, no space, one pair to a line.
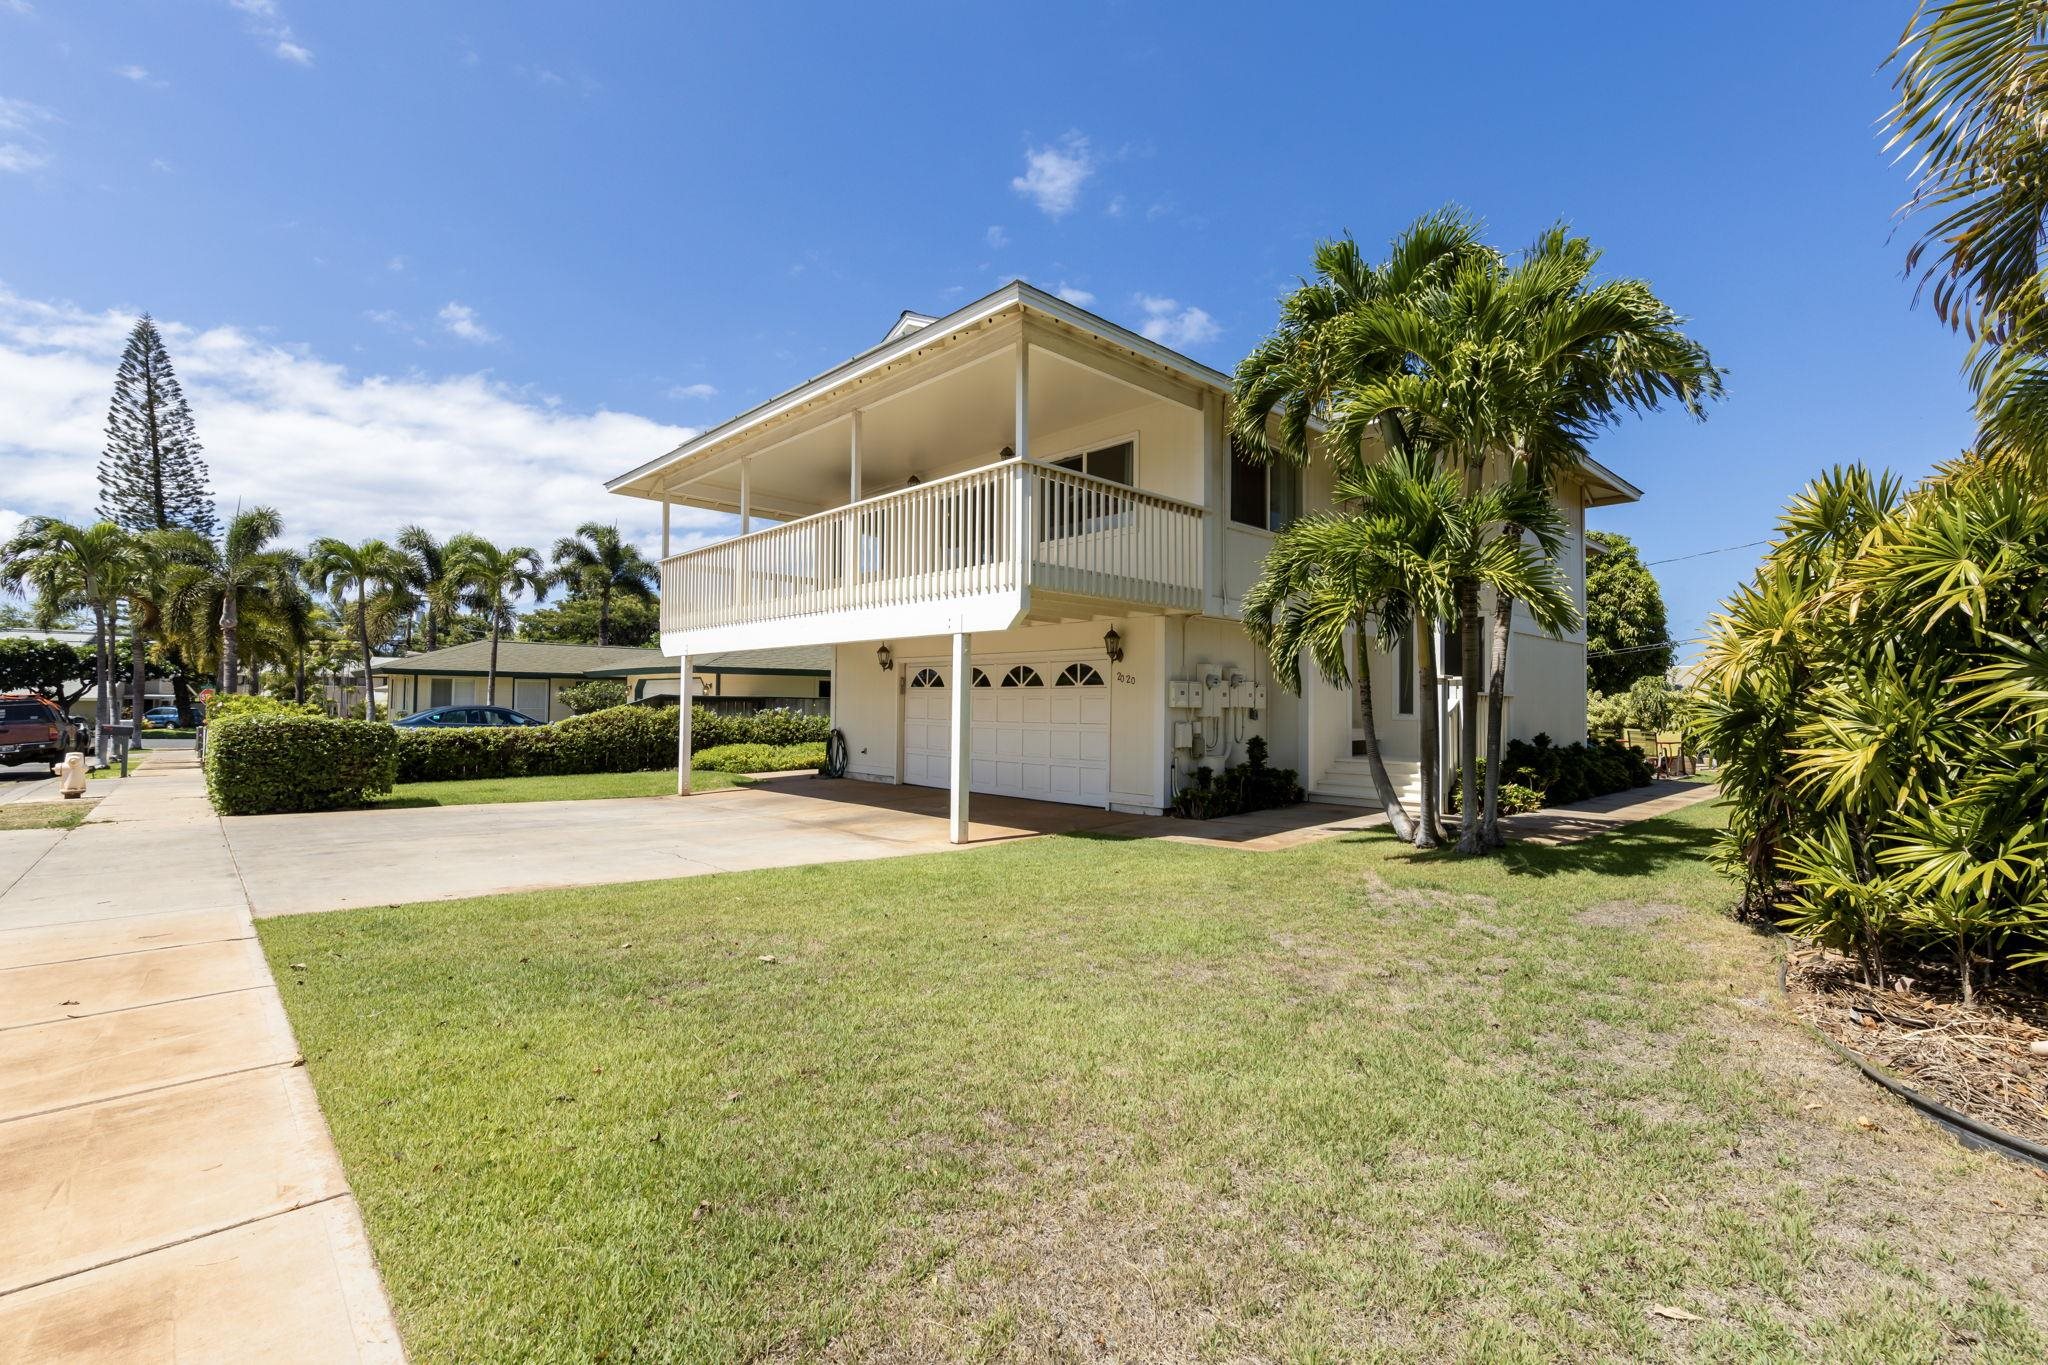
1404,672
440,691
1117,463
1266,495
927,677
980,678
1023,675
1078,675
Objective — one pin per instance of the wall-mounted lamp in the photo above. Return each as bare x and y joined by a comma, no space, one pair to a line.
885,658
1113,645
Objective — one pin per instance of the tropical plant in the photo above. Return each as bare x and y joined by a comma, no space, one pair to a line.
1972,80
1878,697
597,563
369,570
210,587
1502,369
66,566
429,579
492,579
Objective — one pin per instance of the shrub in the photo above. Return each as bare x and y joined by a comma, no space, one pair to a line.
758,758
225,704
1516,799
598,694
1247,786
621,739
258,762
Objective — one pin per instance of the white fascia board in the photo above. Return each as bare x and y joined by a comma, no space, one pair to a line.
1600,476
984,612
1015,294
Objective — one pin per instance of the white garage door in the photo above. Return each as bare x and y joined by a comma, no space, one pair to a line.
1041,729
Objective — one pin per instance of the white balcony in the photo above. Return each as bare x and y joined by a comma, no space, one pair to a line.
979,550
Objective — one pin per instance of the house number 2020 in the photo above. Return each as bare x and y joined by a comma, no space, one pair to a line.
1124,677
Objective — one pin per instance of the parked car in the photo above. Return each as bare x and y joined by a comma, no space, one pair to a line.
457,717
160,718
34,729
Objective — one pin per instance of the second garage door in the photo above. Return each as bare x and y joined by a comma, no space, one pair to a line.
1041,729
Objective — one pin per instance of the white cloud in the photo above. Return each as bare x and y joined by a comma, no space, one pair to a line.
138,74
1169,324
1116,207
20,159
1053,175
1080,298
396,265
460,320
998,238
18,116
694,391
161,166
337,453
266,21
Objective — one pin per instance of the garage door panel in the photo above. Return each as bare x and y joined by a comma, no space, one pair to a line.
1048,742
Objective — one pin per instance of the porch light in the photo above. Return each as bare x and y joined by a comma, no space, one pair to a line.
885,658
1113,645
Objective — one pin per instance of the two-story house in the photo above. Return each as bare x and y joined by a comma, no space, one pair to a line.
1024,533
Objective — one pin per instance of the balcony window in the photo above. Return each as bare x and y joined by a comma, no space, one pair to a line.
1117,463
1263,494
1070,510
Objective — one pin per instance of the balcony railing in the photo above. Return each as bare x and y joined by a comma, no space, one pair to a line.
949,539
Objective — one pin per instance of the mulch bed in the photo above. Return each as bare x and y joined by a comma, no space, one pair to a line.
1977,1060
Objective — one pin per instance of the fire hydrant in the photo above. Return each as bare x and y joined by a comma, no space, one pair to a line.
73,785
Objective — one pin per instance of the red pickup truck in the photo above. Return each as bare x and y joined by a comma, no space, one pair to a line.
34,730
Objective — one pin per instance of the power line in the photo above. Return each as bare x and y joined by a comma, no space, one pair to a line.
1638,649
1746,545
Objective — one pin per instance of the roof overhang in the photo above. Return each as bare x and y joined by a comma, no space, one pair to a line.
1016,297
1604,487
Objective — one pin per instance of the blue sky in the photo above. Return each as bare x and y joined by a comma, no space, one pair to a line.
458,262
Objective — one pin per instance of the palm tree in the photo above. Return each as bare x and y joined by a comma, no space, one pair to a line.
1972,76
1506,369
430,580
492,579
67,565
210,586
595,561
372,568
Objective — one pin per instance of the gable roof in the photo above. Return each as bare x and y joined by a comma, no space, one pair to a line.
542,659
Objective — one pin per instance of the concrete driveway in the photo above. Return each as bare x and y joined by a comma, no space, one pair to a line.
293,864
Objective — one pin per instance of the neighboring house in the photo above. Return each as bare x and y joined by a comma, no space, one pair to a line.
532,674
738,681
1076,611
156,691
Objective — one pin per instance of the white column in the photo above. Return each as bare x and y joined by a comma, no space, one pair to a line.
746,496
962,755
851,529
664,528
1022,529
853,460
683,731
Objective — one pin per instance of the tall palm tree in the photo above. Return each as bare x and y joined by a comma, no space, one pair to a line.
368,570
209,586
430,580
1505,369
67,565
597,563
492,579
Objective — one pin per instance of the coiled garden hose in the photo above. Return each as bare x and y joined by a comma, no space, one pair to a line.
835,755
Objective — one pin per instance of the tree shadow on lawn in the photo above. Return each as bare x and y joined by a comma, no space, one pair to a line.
1647,849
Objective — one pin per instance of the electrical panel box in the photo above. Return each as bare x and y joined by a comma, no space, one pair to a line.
1214,695
1183,694
1258,696
1240,691
1183,734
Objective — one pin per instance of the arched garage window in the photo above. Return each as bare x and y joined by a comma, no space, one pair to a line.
1023,675
927,677
1078,675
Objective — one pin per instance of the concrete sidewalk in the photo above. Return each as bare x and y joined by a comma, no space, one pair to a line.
168,1189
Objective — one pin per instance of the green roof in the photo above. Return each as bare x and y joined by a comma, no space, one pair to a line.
810,661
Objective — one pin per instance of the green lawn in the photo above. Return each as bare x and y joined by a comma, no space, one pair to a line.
1082,1099
578,787
136,758
44,814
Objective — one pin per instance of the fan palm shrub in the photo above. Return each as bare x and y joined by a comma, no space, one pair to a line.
372,570
598,563
492,579
1878,698
210,587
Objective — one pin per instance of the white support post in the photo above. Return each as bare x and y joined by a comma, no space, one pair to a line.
683,731
852,521
739,578
962,755
664,527
1022,530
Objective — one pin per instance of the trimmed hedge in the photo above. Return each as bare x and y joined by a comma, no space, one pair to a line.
622,739
758,758
588,698
260,763
225,704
